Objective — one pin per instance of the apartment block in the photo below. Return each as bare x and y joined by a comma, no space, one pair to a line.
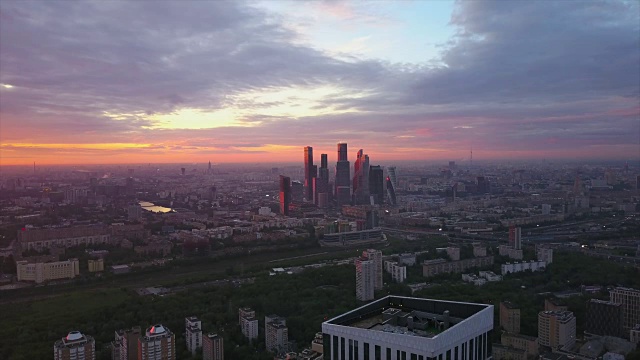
510,317
212,347
523,266
39,239
441,266
158,343
365,279
75,346
96,265
125,345
375,256
397,271
248,323
551,304
545,254
276,334
557,329
193,333
529,344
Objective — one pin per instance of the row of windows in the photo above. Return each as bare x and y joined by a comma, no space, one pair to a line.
336,349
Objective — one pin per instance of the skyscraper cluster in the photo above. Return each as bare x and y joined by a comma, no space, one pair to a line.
367,187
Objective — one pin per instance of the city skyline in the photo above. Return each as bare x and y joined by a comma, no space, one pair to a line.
242,82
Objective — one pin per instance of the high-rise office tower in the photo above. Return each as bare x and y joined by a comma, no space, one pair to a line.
391,191
630,300
212,347
361,179
343,177
365,278
376,184
308,173
297,191
75,346
158,343
193,328
285,194
376,256
391,174
321,183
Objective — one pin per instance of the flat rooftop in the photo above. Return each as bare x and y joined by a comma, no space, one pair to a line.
409,316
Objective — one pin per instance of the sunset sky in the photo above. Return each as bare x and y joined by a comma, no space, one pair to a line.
192,81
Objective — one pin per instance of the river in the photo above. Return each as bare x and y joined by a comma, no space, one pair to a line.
149,206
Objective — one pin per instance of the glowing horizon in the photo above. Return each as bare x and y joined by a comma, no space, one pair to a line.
257,81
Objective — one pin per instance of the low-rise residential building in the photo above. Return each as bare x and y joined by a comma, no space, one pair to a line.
479,250
96,265
441,266
474,279
397,271
490,276
522,266
407,259
46,238
41,272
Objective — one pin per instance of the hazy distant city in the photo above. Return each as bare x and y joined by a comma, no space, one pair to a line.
320,180
562,238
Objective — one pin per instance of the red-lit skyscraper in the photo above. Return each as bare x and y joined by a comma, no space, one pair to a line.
361,179
285,194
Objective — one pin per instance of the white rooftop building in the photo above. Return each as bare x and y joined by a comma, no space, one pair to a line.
397,327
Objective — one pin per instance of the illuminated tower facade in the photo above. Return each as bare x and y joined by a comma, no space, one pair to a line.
361,179
343,177
285,194
309,173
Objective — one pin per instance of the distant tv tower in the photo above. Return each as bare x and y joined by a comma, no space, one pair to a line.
34,167
471,158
